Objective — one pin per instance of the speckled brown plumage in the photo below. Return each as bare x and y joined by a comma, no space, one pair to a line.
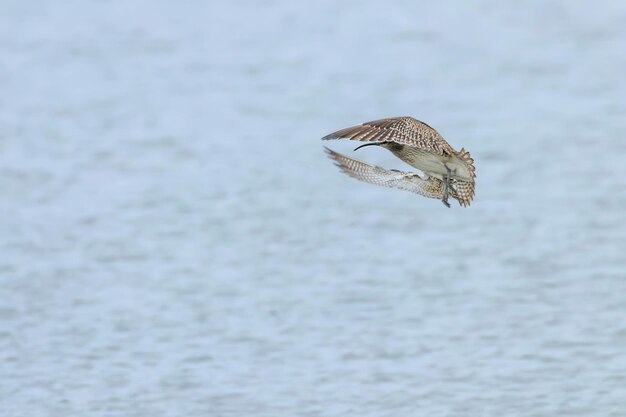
420,146
403,130
425,186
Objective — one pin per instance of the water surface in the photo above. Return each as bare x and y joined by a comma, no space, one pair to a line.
174,241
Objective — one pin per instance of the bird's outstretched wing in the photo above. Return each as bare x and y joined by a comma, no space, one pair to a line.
403,130
428,187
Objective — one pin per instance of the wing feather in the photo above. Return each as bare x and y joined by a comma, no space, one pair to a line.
428,187
403,130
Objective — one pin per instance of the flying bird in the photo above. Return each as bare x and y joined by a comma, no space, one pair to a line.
422,147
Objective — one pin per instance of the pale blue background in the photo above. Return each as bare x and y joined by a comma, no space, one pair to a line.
173,241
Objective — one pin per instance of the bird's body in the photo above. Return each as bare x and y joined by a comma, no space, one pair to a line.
431,163
422,147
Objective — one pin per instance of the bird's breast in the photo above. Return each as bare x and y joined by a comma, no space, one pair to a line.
421,159
433,164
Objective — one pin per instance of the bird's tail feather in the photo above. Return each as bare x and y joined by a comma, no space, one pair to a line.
465,189
465,156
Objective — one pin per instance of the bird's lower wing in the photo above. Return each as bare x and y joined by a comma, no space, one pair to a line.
372,174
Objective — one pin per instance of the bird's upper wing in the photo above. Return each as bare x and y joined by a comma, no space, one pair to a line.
428,187
403,130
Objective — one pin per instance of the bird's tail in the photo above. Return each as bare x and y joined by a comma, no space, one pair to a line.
465,156
465,189
464,192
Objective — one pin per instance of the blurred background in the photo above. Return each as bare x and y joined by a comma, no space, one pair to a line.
175,242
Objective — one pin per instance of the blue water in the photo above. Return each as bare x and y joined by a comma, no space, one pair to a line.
175,242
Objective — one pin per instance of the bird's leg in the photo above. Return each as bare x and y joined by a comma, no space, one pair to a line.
453,190
446,187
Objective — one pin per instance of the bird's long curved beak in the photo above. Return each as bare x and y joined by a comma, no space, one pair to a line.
367,144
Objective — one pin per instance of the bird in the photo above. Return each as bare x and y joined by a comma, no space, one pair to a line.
422,147
430,187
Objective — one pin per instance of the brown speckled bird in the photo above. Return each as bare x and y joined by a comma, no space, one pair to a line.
422,147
